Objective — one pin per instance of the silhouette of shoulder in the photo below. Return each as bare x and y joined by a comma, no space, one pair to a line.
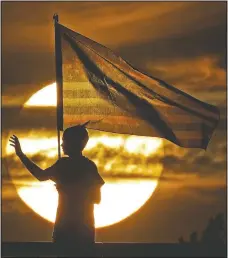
66,169
53,171
93,172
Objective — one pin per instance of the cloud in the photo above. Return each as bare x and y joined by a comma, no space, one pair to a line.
191,73
209,164
140,30
143,21
201,166
111,163
175,163
37,69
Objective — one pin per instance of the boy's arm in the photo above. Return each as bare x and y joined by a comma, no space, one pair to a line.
36,171
39,173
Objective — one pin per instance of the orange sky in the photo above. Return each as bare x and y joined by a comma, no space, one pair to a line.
183,43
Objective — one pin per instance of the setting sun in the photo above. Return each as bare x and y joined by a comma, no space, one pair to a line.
120,197
118,200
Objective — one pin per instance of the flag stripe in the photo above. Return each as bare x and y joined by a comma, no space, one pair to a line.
121,64
92,104
123,120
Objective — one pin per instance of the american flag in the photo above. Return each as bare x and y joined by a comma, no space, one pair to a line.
100,86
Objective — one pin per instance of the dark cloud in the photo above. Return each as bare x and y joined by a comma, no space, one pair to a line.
29,68
211,163
172,161
142,20
201,166
141,31
210,41
110,164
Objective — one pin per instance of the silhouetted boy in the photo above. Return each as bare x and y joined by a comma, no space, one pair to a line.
78,183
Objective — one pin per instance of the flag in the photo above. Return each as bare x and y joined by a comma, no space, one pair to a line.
100,86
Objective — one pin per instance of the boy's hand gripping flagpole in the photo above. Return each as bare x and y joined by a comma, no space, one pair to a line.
59,80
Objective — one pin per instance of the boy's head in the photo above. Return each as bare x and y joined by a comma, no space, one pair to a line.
74,139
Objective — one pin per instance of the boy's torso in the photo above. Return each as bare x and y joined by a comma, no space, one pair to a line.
75,208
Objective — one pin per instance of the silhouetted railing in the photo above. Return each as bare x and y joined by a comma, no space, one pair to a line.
48,249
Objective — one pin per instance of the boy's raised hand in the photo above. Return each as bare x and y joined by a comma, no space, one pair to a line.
16,144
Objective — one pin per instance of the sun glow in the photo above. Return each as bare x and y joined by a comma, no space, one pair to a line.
45,97
120,197
131,144
118,200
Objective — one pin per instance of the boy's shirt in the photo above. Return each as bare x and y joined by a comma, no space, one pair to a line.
78,184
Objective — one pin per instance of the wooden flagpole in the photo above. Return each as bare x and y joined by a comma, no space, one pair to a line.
59,80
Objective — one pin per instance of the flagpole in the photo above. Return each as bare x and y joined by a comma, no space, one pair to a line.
59,80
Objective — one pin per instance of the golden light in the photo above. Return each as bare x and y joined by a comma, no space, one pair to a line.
45,97
48,146
142,145
120,198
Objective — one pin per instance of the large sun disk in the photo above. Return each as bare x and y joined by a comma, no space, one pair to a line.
119,198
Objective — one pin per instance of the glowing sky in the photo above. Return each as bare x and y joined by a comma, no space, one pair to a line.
183,43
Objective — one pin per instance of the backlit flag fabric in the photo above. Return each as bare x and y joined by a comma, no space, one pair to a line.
98,85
